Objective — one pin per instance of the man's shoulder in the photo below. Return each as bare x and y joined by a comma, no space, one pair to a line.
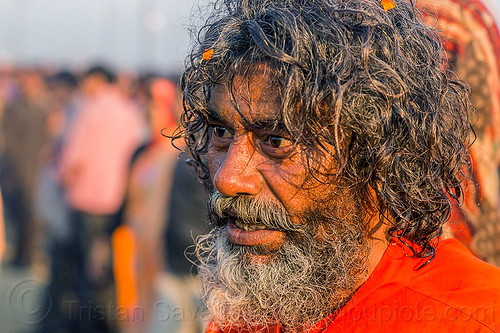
455,270
454,290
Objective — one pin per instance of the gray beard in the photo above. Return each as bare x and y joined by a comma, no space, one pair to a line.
304,281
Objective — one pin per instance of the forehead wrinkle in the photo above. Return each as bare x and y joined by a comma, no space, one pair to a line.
234,102
258,93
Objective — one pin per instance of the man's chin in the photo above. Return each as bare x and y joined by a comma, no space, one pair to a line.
257,259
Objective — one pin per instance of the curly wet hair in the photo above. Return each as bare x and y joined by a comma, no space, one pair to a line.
352,76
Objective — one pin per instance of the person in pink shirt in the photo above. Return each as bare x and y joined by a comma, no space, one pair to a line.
105,133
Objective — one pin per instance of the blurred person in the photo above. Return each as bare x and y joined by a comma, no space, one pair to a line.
8,90
5,90
333,143
24,133
140,90
180,308
105,132
2,231
178,303
50,203
52,209
472,42
148,192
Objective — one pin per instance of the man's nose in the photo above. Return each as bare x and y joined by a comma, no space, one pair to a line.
238,173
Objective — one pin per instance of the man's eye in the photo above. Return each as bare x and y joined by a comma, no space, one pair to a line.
221,132
277,141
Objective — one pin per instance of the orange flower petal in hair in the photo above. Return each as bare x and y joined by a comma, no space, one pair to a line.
207,55
388,4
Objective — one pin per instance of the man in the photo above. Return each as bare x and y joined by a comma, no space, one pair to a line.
334,147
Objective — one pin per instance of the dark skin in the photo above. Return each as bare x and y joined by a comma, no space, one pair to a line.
251,154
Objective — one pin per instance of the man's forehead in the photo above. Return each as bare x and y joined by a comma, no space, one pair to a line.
255,97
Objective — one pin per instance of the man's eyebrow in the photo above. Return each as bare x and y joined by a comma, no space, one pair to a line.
268,124
214,116
260,124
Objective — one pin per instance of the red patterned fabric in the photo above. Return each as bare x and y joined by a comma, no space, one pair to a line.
472,41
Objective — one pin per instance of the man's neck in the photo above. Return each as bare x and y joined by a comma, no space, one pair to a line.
378,244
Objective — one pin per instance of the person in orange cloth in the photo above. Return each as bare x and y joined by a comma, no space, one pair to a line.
334,145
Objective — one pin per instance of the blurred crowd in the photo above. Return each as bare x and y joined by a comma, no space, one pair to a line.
86,173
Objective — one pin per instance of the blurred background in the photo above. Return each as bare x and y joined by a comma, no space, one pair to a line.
100,213
130,34
86,88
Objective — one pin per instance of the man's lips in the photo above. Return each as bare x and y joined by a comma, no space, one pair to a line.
270,239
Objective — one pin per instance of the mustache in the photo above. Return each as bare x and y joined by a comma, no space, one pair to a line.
250,211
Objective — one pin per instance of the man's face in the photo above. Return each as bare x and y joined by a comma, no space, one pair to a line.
287,246
251,154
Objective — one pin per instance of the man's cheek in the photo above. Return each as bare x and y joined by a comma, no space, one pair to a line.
285,176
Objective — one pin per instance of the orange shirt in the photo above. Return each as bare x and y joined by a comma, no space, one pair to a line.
455,292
